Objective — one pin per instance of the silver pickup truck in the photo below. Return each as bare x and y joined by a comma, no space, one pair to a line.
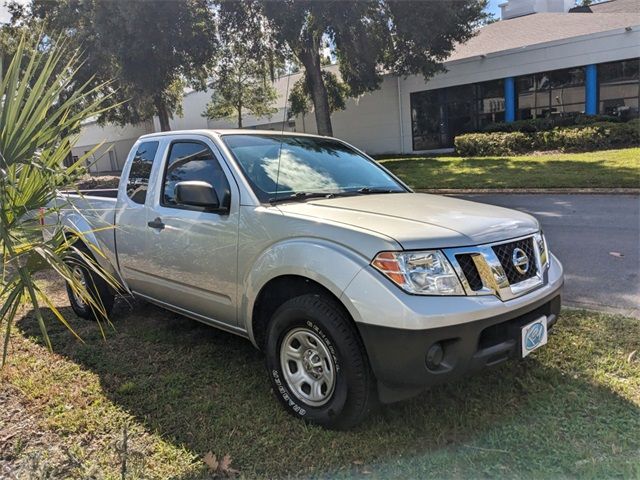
356,289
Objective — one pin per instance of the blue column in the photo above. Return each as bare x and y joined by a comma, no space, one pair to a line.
591,89
509,99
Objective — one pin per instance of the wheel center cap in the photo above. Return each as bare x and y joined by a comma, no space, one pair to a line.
312,363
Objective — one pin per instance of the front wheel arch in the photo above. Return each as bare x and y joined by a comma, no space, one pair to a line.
276,292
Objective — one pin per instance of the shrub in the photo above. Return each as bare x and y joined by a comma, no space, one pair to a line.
491,144
546,124
576,138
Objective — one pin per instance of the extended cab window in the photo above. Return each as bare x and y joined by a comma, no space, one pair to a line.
191,161
140,171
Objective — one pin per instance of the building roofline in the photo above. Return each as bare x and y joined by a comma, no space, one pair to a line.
551,43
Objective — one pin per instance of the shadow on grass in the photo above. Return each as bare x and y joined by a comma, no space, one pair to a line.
208,390
497,172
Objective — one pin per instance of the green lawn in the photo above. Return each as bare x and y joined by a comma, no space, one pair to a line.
602,169
182,389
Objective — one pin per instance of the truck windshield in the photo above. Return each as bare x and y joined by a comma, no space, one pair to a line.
291,167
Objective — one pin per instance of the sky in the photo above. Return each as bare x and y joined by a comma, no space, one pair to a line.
4,13
493,7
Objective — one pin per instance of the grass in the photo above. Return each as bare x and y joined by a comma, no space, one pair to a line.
602,169
181,389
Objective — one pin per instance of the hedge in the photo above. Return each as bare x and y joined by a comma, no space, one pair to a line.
597,136
548,123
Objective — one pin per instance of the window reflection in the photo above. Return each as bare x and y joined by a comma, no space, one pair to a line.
191,161
619,88
289,164
439,115
549,94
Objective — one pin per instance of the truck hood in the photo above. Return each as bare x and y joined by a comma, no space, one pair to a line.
417,220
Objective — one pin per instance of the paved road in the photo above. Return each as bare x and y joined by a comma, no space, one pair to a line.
581,231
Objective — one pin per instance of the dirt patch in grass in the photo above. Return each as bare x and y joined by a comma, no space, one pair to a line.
181,389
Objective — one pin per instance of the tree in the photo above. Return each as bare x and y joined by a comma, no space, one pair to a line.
370,38
151,49
242,84
300,99
33,119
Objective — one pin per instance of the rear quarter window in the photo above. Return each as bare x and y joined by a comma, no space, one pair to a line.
138,181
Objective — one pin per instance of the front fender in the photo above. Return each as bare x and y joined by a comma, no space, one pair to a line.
332,266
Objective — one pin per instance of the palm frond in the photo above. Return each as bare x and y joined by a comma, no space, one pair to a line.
41,105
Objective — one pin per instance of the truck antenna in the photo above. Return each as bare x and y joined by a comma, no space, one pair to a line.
284,120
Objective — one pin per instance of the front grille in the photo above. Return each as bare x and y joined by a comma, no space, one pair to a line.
470,271
504,253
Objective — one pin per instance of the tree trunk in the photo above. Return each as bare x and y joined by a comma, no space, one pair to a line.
240,116
310,58
163,115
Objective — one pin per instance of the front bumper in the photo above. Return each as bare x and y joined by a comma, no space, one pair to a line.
475,332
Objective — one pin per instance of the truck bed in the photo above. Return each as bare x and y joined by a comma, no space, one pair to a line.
92,213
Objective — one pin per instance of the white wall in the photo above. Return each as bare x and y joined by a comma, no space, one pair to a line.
195,103
517,8
371,122
117,139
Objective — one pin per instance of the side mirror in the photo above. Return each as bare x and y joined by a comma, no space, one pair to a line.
200,194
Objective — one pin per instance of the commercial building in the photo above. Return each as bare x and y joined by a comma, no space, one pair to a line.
543,58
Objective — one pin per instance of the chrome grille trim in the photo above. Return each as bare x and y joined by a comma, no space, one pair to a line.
492,274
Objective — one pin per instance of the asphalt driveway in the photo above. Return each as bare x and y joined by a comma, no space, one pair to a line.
596,237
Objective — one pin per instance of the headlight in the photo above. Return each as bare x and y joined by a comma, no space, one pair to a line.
543,249
423,273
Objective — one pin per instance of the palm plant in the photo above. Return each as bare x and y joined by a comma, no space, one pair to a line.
39,105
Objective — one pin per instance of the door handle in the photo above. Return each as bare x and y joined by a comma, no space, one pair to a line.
157,223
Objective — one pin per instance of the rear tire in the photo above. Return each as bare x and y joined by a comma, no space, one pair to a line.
317,363
100,291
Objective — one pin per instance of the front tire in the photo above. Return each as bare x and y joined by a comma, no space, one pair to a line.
317,363
100,291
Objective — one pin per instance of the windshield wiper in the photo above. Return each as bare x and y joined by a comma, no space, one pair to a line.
371,190
301,196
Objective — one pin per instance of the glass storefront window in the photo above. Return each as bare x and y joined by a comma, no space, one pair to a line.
619,88
439,115
490,102
547,94
567,91
427,114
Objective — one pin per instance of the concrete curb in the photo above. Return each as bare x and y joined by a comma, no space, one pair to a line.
536,191
591,307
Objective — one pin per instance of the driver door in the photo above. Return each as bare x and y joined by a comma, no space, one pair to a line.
193,252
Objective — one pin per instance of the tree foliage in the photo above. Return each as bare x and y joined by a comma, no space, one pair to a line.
370,38
241,85
150,49
300,100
